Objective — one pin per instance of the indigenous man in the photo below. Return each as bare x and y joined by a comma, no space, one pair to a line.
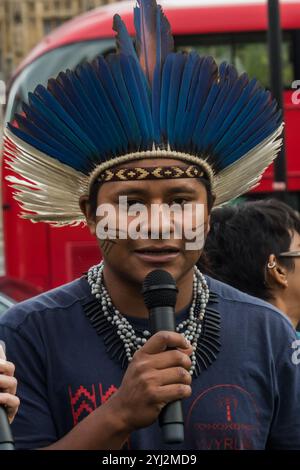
156,127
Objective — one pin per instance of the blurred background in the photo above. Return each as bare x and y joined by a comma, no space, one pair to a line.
23,24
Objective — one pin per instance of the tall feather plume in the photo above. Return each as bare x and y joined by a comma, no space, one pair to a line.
154,42
124,41
145,24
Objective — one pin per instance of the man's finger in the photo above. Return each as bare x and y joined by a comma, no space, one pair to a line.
2,350
163,340
8,384
6,367
168,359
11,402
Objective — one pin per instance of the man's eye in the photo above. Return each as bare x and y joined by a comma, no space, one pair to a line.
132,202
179,200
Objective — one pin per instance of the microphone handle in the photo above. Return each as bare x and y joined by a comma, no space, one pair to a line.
171,417
6,438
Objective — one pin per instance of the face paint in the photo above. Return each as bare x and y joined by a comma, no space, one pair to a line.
106,246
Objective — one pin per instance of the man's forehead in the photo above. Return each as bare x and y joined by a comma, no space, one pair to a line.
154,187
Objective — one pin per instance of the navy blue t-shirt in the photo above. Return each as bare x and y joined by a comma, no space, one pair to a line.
248,398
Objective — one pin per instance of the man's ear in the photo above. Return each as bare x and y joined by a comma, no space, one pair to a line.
85,207
276,274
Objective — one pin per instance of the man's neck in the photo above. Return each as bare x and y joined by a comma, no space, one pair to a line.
287,307
127,297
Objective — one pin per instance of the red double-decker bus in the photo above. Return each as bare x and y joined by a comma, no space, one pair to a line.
235,31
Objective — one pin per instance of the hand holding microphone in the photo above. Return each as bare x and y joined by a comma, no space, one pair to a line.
9,403
160,293
157,375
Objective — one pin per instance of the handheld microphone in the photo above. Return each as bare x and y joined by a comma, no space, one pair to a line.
6,439
160,292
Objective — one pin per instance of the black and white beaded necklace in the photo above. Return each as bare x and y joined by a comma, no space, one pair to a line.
201,328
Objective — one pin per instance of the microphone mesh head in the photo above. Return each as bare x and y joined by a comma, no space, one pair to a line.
159,289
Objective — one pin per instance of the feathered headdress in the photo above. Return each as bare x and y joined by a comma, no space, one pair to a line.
145,103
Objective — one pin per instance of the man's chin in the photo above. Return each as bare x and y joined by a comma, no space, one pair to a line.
141,269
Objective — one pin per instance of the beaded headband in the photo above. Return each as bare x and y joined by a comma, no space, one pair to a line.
150,173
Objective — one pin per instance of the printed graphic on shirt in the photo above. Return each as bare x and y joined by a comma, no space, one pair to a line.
223,417
296,353
84,400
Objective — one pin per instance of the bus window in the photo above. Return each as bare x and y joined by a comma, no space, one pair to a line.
247,51
49,65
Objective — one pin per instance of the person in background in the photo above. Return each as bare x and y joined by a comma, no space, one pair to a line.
8,386
255,247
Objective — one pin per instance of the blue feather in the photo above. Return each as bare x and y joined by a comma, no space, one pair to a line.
165,41
115,105
192,62
243,118
104,127
45,103
250,144
254,107
156,86
132,126
208,127
166,83
232,110
55,87
124,41
175,85
107,108
204,77
40,123
102,131
139,100
223,107
35,131
145,23
62,89
204,115
153,37
251,133
43,146
83,104
61,120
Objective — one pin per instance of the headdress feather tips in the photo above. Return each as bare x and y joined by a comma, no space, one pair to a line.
144,102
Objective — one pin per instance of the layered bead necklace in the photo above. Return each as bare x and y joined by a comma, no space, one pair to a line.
190,328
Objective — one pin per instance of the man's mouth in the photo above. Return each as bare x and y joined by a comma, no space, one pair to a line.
157,254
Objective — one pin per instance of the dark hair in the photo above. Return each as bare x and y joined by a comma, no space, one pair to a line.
93,197
96,186
242,238
209,194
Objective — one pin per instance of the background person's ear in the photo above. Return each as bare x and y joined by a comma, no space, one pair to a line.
208,226
85,207
276,274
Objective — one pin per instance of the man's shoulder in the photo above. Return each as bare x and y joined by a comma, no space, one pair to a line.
61,298
246,305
